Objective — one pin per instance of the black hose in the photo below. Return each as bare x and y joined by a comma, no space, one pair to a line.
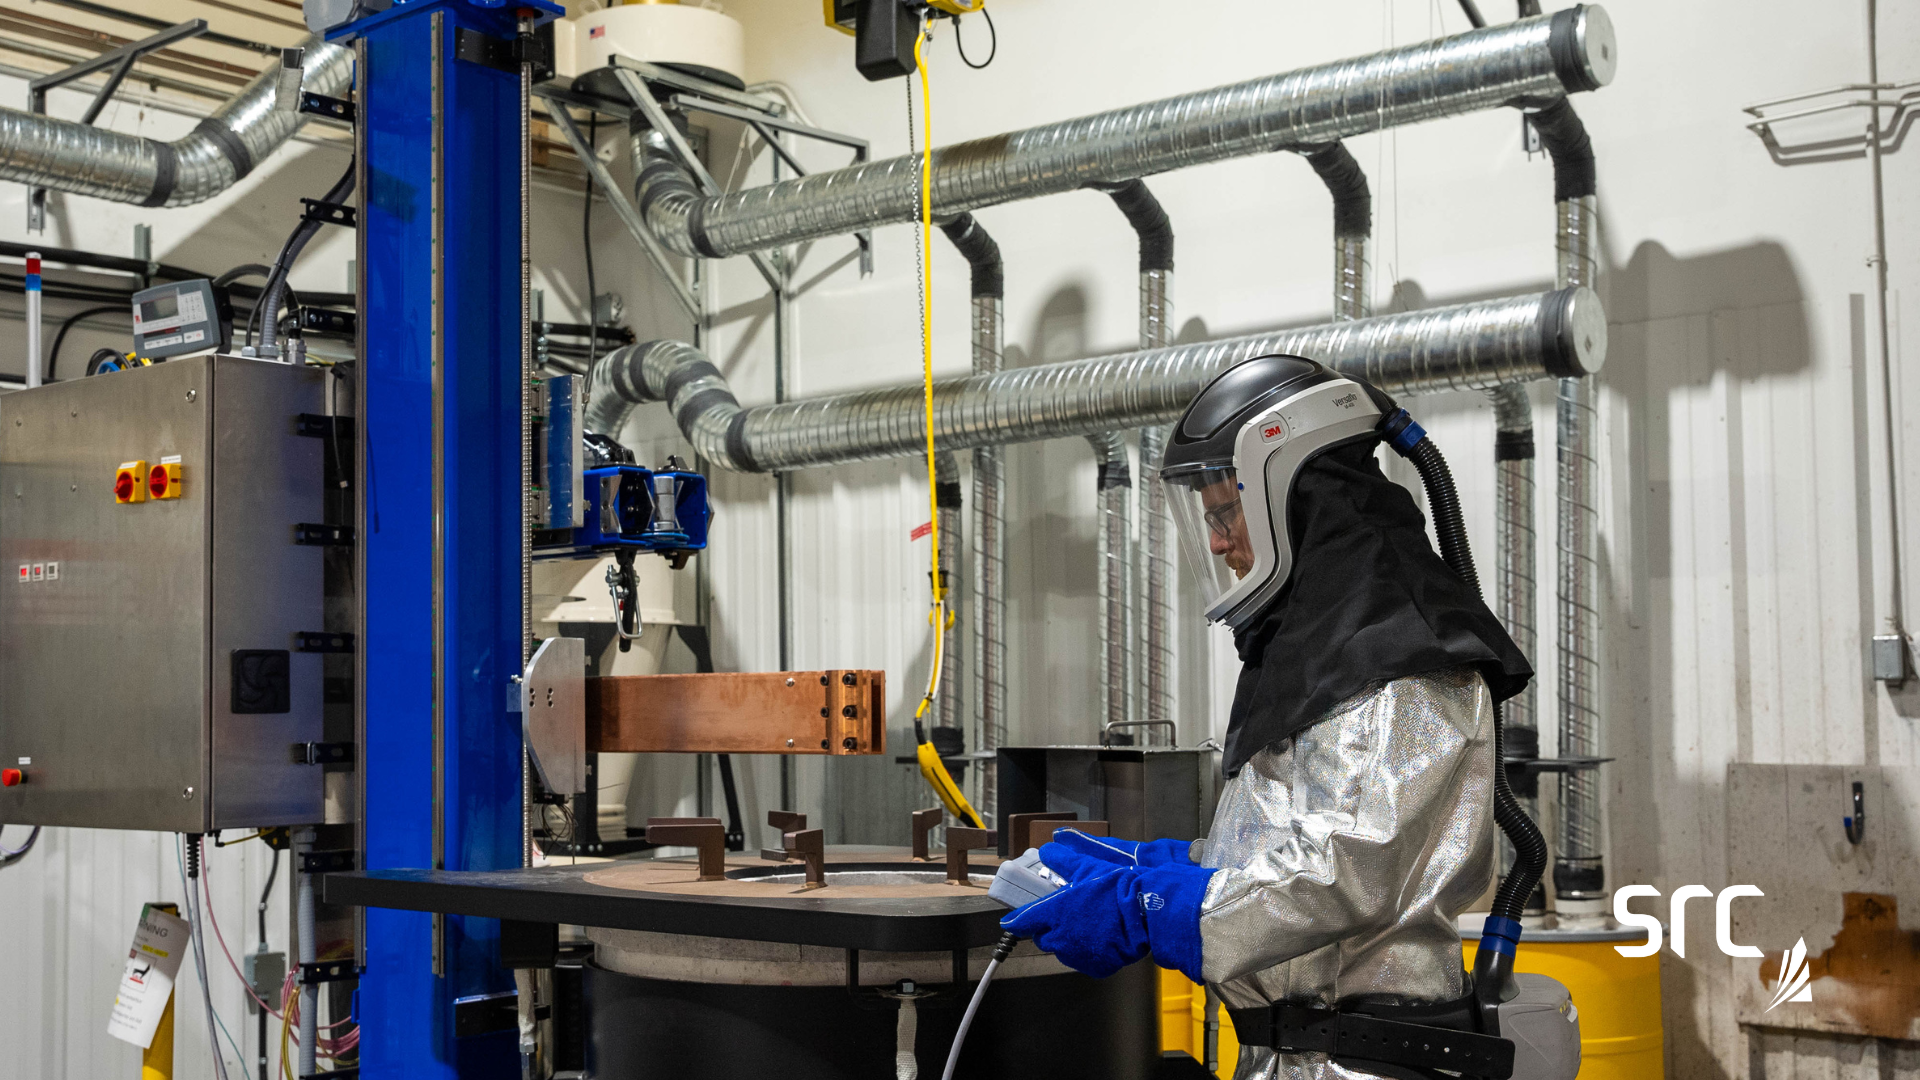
586,241
1473,13
273,871
1566,142
258,270
981,253
1449,525
72,257
51,290
53,354
992,51
8,858
1347,182
100,356
1530,848
1149,220
303,233
223,297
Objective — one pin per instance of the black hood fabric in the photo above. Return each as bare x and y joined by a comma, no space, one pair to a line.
1368,600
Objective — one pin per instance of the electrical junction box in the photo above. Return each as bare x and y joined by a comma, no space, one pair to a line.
156,680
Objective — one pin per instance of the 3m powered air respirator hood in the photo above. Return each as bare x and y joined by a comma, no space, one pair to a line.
1319,563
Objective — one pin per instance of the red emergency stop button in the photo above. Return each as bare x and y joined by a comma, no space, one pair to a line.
12,778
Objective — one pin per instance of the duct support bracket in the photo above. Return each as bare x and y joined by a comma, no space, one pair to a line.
328,213
331,108
688,94
121,60
768,128
558,103
640,93
314,320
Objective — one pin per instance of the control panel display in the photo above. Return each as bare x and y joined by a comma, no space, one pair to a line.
174,319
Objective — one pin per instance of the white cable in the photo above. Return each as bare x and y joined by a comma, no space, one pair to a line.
905,1065
966,1020
309,992
197,939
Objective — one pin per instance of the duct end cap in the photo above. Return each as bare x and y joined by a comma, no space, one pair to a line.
1585,53
1573,330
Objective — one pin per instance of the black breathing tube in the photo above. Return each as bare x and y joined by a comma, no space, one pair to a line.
1493,962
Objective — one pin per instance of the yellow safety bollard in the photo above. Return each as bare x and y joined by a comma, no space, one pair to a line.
156,1061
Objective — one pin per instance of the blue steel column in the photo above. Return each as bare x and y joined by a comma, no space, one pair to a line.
441,439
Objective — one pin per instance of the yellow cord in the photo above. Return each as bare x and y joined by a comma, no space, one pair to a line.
932,769
286,1023
939,614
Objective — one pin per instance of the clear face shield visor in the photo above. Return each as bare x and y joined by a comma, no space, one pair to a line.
1206,510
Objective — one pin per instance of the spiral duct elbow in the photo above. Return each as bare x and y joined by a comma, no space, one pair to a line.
221,150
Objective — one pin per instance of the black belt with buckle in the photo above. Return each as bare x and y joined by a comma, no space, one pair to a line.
1391,1047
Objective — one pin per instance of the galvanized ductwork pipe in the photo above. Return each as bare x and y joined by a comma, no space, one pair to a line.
1579,870
1530,60
1153,583
1474,346
1352,227
989,535
224,148
1113,503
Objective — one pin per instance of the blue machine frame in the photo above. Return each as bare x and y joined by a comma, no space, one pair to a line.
443,519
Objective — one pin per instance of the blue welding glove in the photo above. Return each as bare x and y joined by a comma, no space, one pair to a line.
1110,916
1121,852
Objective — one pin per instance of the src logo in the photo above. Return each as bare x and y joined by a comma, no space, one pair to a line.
1795,977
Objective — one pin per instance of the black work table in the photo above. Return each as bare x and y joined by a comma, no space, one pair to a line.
662,895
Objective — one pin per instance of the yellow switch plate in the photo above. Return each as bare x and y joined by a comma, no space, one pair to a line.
130,482
163,482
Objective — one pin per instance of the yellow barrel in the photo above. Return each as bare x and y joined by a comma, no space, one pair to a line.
1621,1036
1183,1022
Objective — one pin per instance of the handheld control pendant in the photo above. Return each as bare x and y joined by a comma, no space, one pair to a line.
1023,880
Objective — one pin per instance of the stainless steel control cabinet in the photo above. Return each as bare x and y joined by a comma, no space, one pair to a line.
150,675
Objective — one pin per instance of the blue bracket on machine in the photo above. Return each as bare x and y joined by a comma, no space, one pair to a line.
629,506
615,505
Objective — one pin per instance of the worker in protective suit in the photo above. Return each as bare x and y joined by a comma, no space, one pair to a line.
1357,819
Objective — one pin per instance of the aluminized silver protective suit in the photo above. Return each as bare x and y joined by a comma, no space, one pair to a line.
1345,855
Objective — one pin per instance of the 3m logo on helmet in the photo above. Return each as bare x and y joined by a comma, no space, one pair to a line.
1273,431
